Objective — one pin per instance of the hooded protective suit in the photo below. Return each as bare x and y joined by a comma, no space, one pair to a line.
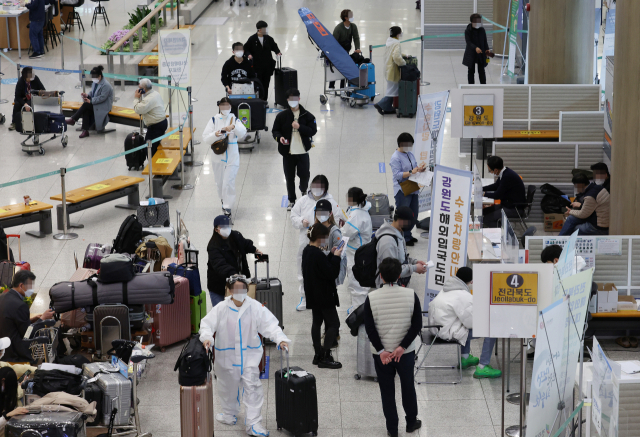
304,209
225,166
238,351
358,229
453,309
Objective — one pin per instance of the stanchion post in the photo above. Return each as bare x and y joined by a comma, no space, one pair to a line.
422,82
62,54
503,365
150,169
178,14
18,71
182,185
371,52
170,106
84,87
523,377
191,162
65,235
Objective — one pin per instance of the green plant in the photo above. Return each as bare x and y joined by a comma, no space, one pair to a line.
138,15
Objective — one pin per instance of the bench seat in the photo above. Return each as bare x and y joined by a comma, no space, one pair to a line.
165,165
20,214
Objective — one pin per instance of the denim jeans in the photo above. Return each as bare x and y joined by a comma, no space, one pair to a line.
412,202
487,348
386,104
215,298
584,228
36,36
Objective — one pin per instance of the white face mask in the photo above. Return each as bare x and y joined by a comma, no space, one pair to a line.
29,292
350,19
477,25
293,103
225,112
317,192
240,295
600,181
95,80
400,36
323,217
225,232
239,53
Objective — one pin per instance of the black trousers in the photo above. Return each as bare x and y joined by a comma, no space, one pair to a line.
154,131
328,316
265,78
481,74
332,84
386,376
85,112
296,164
492,216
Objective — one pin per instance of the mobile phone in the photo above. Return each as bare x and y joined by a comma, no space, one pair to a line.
286,141
340,245
24,376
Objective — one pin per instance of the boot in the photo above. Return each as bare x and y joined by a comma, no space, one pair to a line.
328,362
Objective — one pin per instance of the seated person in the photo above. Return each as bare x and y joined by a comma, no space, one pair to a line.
15,318
237,68
601,175
453,309
28,82
19,369
97,104
508,189
593,216
580,183
9,397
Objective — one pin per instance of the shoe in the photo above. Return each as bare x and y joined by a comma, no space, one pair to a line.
487,372
39,55
290,206
316,359
380,110
633,341
470,361
302,305
84,134
227,419
624,342
392,434
410,243
416,425
414,239
33,56
70,121
12,126
328,362
257,430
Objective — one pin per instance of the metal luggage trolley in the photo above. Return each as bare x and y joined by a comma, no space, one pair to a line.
42,338
248,144
50,101
331,74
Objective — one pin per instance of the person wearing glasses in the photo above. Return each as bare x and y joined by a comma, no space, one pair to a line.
236,324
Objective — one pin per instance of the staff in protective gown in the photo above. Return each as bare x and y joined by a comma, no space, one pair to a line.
236,322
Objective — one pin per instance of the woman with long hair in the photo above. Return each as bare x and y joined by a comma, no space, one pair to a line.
9,397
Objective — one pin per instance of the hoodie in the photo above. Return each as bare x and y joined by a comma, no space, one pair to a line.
358,227
233,72
453,309
388,247
393,60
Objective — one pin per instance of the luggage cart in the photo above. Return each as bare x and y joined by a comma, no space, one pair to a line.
50,101
42,339
247,143
350,93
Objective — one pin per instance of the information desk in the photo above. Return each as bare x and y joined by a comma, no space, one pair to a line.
625,320
14,33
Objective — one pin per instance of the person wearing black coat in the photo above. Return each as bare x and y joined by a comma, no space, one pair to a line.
237,69
25,85
320,272
258,48
293,130
477,49
227,252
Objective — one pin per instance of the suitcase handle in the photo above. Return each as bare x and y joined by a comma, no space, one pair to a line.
264,258
281,362
19,247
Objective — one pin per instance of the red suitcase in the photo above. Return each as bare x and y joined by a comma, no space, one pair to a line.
20,265
172,322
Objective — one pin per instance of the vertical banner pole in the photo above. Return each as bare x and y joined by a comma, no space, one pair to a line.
150,168
65,235
84,87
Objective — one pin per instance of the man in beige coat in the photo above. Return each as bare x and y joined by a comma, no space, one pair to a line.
394,59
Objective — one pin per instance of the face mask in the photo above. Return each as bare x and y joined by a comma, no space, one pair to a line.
293,103
323,217
477,25
265,31
29,292
317,192
225,232
350,19
239,53
240,296
599,181
225,112
95,80
400,36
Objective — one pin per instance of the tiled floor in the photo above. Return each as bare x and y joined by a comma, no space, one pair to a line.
349,145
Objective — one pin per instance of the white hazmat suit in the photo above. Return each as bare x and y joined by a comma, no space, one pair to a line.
304,209
225,166
238,350
358,229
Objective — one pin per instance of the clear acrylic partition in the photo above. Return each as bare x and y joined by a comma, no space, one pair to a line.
509,244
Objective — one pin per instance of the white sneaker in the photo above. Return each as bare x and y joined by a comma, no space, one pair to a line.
257,430
227,419
302,305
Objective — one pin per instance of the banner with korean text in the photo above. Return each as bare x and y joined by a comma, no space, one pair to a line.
449,227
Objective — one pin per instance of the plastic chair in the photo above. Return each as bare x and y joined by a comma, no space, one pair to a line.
100,10
429,340
525,207
73,16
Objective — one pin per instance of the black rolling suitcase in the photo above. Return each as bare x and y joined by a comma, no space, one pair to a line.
258,113
269,291
285,78
135,160
92,392
296,401
49,424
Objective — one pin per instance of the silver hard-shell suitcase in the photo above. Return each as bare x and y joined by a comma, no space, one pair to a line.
115,388
365,365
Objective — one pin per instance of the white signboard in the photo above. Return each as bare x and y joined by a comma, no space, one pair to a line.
174,60
458,104
449,227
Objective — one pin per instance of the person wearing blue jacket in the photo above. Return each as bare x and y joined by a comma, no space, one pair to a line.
37,17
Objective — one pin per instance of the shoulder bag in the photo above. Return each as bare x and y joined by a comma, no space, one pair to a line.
220,146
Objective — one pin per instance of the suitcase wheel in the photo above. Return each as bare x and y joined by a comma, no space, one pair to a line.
2,119
357,377
65,141
323,99
41,151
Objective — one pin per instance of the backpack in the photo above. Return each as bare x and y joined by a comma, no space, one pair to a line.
409,73
194,363
359,59
48,381
129,236
365,268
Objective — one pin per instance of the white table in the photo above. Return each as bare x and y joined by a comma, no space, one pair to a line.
17,16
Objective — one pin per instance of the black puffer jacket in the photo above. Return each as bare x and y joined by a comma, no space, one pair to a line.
475,38
282,127
227,258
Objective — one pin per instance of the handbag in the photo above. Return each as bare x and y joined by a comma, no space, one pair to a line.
220,146
153,215
355,319
409,187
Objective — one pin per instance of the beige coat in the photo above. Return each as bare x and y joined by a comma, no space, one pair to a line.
393,60
61,401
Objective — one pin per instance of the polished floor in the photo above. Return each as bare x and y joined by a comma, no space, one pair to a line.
348,147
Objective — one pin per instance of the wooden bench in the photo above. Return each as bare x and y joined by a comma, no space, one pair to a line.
117,115
172,142
20,214
99,193
165,165
149,61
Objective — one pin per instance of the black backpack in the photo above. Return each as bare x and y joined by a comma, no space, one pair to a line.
409,73
129,236
48,381
553,202
365,268
194,363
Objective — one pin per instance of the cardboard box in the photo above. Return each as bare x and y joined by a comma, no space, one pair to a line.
627,303
607,298
553,222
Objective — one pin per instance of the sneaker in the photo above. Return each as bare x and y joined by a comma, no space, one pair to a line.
316,359
70,121
33,56
329,363
392,434
257,430
470,361
380,110
39,55
12,126
410,243
416,425
302,306
487,372
290,206
227,419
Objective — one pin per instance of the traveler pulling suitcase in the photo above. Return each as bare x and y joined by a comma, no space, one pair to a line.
135,160
93,254
296,401
364,358
408,99
196,410
285,78
172,323
269,291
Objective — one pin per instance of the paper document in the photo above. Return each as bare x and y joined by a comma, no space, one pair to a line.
493,234
422,178
630,367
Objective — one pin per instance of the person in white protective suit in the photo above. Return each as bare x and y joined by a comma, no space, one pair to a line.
237,321
358,230
225,166
303,216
